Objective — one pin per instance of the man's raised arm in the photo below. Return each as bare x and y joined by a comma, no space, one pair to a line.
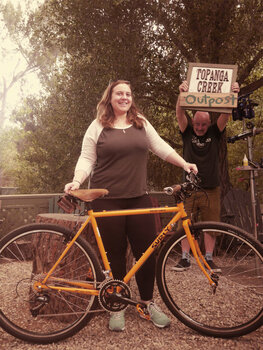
224,117
180,113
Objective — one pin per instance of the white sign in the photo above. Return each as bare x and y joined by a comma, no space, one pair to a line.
212,80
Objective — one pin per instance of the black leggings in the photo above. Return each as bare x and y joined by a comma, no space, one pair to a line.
140,231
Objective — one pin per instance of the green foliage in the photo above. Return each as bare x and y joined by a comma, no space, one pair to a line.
81,45
8,153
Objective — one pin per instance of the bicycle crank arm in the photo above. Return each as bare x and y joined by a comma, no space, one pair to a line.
119,297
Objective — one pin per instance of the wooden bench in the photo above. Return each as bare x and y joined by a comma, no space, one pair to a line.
73,222
237,211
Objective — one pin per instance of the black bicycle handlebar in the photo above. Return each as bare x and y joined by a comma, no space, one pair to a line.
244,135
185,189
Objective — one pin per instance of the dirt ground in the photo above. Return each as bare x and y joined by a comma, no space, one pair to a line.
139,334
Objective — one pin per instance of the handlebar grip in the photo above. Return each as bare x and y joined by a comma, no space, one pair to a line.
172,189
258,131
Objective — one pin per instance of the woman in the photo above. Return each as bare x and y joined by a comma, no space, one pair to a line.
114,152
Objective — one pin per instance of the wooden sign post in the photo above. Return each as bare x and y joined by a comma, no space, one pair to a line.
210,88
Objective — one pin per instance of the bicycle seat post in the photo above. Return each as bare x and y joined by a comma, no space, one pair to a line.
88,206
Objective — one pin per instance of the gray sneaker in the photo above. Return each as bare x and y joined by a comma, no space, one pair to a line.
158,318
117,321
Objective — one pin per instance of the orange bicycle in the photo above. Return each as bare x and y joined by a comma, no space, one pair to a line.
52,282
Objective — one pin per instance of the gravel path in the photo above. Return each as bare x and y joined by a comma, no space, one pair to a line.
139,334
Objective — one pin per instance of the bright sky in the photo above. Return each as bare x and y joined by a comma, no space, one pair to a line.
14,62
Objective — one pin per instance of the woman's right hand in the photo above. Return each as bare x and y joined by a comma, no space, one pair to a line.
188,167
74,185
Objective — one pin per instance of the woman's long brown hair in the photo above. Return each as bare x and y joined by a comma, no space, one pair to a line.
105,113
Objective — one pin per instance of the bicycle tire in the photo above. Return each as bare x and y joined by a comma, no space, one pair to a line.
236,308
25,255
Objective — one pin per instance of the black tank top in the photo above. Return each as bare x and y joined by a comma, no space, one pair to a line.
121,162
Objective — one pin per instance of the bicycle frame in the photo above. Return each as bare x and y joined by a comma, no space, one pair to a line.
86,288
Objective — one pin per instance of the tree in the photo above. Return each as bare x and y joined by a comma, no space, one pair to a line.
215,32
147,42
14,47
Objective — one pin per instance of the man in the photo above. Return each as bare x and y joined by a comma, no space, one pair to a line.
201,146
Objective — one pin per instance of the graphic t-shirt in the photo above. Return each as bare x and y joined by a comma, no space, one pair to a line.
204,152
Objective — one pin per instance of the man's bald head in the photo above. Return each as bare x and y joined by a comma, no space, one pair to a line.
201,122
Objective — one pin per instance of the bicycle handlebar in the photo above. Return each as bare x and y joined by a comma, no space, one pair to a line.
245,134
185,189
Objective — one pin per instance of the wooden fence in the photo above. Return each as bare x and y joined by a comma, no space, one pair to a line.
17,210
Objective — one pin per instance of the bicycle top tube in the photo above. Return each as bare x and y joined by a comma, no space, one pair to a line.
124,212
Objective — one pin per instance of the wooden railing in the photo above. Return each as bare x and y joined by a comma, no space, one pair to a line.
17,210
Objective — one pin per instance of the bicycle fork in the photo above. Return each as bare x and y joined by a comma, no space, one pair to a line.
213,278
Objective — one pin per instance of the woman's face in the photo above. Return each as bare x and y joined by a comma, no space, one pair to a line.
121,99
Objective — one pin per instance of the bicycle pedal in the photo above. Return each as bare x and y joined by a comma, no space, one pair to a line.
143,312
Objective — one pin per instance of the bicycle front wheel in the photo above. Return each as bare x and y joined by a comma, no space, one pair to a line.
45,316
236,306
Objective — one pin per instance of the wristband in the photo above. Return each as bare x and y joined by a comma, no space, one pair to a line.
77,181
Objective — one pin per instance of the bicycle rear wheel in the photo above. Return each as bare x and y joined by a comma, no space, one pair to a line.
26,254
236,307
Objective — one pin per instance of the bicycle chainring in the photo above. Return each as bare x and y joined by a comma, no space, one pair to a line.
109,295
